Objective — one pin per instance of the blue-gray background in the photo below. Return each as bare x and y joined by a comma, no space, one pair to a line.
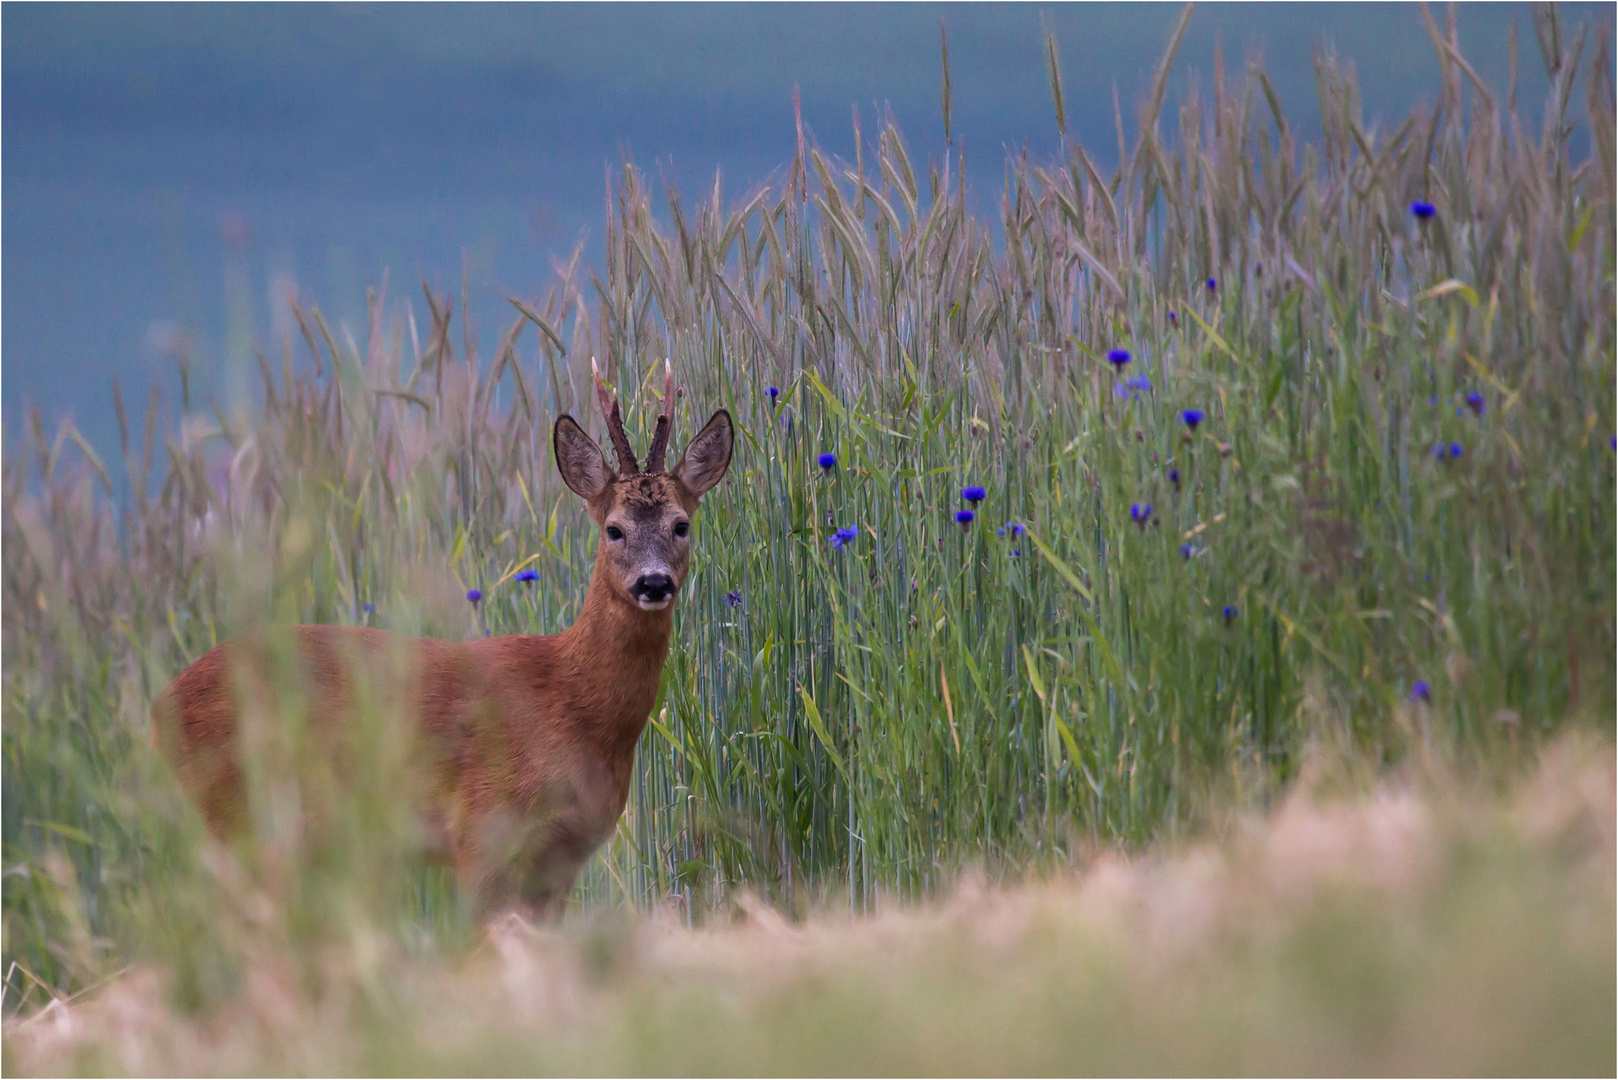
170,168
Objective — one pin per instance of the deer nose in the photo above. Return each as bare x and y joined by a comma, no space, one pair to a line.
653,587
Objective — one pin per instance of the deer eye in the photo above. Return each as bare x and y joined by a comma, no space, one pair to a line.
614,533
681,528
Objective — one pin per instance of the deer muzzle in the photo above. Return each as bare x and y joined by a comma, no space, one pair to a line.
653,592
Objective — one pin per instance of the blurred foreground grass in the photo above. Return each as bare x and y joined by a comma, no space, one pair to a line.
1426,927
1352,486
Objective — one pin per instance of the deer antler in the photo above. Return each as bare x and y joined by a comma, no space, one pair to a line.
665,421
607,401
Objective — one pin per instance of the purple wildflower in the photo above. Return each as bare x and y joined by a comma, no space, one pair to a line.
1420,691
1133,387
1193,417
1118,357
1423,210
1448,452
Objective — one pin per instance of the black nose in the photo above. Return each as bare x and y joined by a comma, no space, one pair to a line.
654,587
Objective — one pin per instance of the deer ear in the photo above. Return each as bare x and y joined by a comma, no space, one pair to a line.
579,459
707,456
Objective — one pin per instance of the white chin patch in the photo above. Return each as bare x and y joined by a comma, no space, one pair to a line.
653,605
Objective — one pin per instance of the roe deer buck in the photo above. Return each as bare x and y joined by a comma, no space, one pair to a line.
530,740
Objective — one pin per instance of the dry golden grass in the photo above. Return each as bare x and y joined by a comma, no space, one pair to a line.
1427,925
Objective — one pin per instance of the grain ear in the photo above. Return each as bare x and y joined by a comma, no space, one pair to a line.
579,459
708,455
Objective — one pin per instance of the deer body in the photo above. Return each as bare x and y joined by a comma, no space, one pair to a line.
522,746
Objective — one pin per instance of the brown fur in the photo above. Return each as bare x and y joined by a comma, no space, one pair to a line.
529,741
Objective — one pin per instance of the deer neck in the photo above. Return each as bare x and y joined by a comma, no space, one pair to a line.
615,653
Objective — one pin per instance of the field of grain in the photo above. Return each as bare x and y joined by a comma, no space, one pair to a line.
1421,926
1288,452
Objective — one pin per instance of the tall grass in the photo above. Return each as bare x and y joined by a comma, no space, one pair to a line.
1427,926
858,722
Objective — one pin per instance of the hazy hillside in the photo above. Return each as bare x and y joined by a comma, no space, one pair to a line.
340,142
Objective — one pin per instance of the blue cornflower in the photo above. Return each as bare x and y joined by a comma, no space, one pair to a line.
1140,513
974,494
1193,417
474,595
828,461
1119,357
1174,477
843,537
1420,691
368,607
1213,284
1450,452
1186,551
1476,402
527,575
963,518
1132,387
1433,401
1017,528
1015,554
1423,210
774,393
1001,531
734,599
1230,613
1174,320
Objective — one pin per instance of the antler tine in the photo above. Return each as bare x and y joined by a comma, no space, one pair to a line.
607,401
665,422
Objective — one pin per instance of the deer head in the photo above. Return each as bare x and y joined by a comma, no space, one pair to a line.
644,514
